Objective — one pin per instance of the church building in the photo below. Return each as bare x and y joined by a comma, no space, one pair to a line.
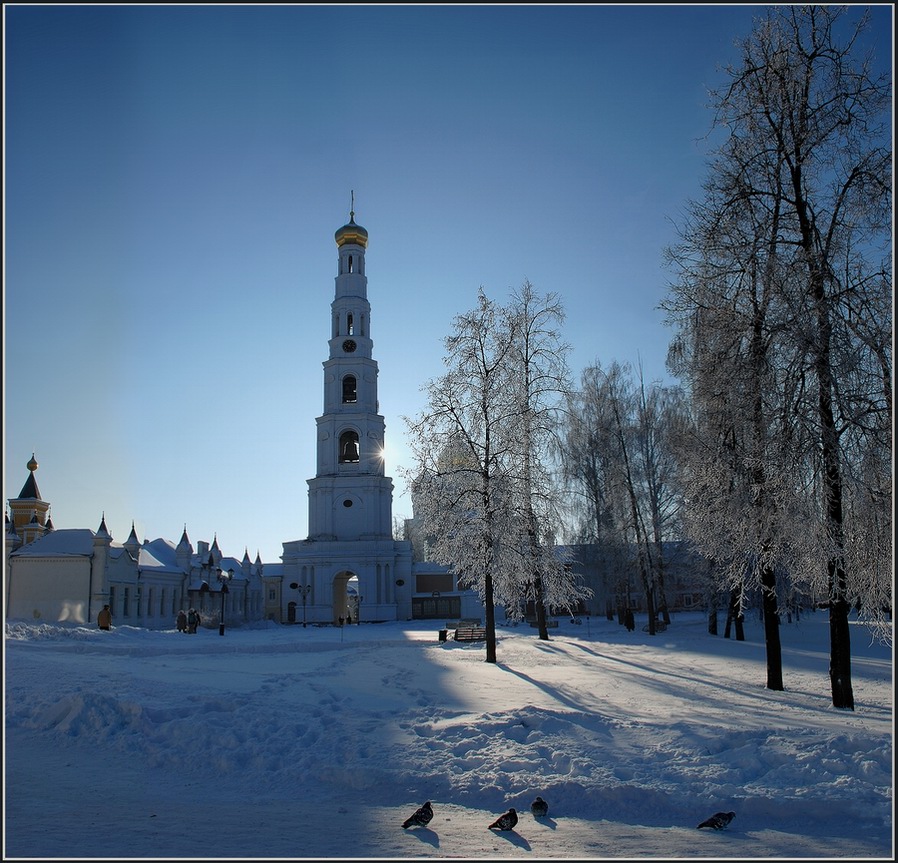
349,568
68,575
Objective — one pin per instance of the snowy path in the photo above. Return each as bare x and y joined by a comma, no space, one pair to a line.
292,743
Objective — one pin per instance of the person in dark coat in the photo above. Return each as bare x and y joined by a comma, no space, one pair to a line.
104,618
182,621
193,620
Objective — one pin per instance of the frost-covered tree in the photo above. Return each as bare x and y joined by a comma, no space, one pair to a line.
539,365
784,278
480,484
458,447
616,460
659,414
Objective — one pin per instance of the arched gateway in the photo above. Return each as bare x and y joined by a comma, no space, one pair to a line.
349,558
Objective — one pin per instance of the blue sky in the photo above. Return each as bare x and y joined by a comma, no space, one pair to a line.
174,176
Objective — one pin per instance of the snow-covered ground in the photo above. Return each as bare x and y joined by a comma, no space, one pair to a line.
318,742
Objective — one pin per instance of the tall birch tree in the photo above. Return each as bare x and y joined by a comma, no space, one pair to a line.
802,186
480,484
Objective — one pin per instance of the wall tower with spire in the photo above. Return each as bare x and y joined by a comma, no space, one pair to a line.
29,511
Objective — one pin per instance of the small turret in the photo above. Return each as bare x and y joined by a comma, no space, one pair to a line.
132,543
184,551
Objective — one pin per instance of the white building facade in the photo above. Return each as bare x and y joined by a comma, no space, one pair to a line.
349,566
68,575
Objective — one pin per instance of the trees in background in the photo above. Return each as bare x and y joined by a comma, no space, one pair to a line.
773,458
782,304
616,458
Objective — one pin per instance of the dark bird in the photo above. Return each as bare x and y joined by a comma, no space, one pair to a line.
539,807
506,821
718,820
422,817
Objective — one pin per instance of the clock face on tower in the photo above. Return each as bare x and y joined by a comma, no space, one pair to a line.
349,346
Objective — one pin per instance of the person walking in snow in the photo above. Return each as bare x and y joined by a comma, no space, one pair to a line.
182,621
193,620
104,618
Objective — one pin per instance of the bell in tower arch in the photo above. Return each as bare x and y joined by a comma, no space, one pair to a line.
349,447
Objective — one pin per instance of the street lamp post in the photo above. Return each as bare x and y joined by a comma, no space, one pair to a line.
223,579
304,591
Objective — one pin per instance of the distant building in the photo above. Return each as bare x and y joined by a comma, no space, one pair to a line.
69,575
349,564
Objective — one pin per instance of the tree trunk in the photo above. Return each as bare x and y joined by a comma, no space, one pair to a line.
540,609
734,615
821,351
489,619
772,630
840,656
650,605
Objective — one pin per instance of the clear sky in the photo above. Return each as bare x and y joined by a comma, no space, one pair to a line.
174,176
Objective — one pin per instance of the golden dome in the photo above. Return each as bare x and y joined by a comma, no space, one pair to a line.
351,233
32,465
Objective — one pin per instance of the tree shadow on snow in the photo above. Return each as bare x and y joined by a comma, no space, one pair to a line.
425,834
549,690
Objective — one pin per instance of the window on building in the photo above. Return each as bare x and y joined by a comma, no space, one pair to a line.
349,327
349,389
126,602
272,595
434,581
445,607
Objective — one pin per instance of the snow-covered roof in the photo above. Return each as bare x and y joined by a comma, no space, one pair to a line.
159,555
78,541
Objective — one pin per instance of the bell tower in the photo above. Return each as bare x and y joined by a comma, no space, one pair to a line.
349,497
350,565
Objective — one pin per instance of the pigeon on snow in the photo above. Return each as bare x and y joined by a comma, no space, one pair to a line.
539,807
505,822
718,820
421,818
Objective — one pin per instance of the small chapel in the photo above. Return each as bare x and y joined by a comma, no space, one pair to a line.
348,569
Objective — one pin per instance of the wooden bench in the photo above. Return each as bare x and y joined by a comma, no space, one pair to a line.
470,633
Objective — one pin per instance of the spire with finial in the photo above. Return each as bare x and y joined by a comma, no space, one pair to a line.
30,489
102,530
351,232
132,543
